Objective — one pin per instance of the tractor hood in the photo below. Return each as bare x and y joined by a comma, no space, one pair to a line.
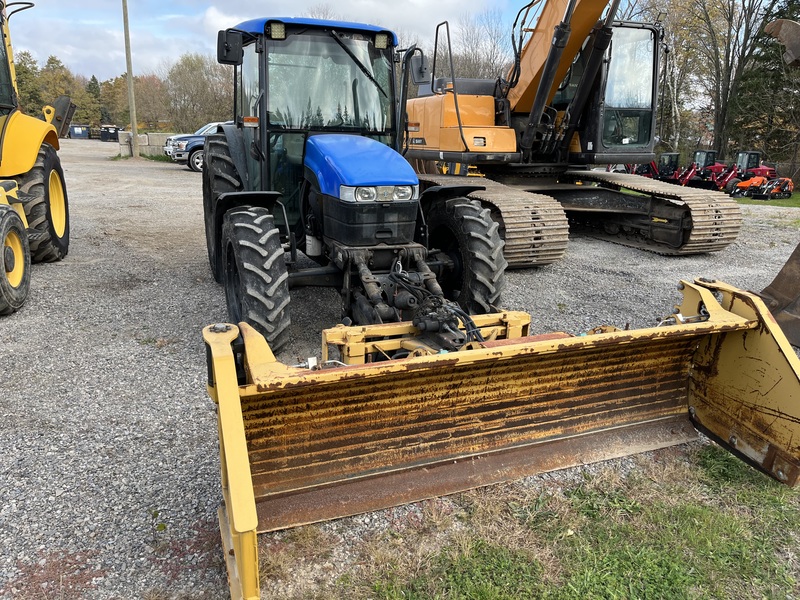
352,160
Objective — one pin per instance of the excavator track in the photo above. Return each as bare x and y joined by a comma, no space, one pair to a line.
533,226
715,217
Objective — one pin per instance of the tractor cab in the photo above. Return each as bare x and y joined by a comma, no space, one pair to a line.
300,78
749,164
746,161
668,164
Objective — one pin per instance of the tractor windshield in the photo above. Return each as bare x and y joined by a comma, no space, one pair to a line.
330,81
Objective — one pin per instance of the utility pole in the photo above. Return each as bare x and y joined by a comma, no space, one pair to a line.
131,96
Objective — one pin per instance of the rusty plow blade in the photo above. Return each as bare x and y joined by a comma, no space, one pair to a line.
302,445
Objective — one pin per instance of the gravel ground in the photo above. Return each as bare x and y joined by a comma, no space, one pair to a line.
108,444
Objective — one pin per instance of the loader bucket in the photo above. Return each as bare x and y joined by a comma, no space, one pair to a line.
782,297
300,445
787,33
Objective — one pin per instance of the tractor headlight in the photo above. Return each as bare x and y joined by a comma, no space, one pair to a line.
404,192
382,193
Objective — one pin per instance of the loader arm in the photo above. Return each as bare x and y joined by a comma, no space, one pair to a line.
301,445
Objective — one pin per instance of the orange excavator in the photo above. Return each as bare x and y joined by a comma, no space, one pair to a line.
582,92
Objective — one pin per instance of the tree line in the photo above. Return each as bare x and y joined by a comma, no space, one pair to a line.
723,84
194,91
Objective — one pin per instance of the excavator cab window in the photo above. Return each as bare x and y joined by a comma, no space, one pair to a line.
628,116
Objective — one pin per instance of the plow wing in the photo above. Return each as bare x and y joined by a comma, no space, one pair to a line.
300,445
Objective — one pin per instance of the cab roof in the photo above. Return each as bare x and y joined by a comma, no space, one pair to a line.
256,26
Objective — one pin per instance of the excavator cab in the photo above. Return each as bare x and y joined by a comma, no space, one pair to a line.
621,112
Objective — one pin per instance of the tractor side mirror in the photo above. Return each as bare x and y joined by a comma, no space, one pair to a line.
229,47
419,69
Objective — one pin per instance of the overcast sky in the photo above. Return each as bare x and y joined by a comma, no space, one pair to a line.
87,35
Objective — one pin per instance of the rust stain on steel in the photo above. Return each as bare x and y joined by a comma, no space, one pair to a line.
315,436
348,497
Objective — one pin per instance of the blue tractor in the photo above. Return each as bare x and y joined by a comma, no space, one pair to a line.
311,167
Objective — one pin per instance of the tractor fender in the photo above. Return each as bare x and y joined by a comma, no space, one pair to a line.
340,159
235,139
23,136
442,193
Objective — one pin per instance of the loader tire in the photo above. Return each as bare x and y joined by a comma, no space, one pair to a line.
15,277
466,233
730,187
219,177
256,279
44,198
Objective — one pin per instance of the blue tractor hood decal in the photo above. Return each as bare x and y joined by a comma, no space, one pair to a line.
353,160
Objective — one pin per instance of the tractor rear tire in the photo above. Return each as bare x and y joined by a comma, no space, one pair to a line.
15,276
219,177
44,198
466,233
256,279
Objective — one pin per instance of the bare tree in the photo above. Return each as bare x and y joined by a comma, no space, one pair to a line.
200,91
725,34
322,11
481,47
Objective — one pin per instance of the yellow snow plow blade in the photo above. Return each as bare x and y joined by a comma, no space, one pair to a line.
300,445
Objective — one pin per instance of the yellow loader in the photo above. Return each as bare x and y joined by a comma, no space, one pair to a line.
34,213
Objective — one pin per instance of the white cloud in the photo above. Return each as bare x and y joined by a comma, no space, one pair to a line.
87,34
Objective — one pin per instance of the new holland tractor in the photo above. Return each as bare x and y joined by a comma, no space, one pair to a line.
310,165
34,213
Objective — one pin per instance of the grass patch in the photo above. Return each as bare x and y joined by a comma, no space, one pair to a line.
791,202
685,522
712,528
157,157
482,571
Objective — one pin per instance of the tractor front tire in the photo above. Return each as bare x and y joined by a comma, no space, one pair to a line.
219,177
44,198
15,277
255,276
466,233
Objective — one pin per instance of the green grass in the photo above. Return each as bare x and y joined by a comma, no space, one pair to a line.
696,527
792,202
157,157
